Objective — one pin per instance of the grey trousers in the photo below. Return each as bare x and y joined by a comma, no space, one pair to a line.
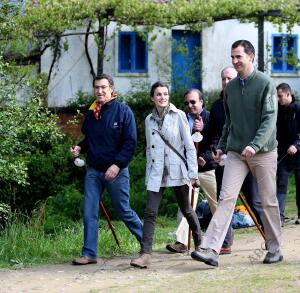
208,185
153,201
263,166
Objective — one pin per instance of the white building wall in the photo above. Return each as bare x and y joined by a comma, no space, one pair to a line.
159,60
72,72
216,47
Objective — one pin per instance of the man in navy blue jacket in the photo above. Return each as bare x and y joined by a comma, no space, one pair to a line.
110,141
288,136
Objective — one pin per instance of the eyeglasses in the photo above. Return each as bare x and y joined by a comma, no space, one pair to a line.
189,102
102,87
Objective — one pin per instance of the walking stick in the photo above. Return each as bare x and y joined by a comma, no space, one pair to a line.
111,226
246,205
197,137
190,231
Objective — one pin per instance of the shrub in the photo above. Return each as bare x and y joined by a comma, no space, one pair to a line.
81,102
48,172
60,211
5,214
28,135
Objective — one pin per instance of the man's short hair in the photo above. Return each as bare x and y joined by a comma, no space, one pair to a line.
248,47
284,87
156,85
199,93
104,76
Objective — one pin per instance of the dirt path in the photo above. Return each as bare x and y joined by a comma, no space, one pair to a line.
241,271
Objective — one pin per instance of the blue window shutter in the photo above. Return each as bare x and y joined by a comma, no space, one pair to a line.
141,51
124,52
291,49
277,54
133,55
284,46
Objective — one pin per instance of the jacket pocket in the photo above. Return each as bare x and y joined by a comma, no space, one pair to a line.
175,171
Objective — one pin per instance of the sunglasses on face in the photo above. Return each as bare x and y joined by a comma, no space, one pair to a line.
189,102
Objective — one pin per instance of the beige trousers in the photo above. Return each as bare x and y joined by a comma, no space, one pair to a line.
208,184
263,166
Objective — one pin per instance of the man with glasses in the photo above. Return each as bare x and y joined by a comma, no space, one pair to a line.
110,141
198,118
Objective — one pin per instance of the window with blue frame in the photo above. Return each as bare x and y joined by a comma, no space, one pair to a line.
133,53
284,53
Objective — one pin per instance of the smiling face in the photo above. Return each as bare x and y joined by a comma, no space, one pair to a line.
103,91
193,103
160,98
241,61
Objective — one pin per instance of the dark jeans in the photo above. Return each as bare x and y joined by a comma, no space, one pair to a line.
250,191
284,169
153,201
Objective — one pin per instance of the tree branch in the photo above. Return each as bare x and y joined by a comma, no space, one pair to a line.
86,47
55,54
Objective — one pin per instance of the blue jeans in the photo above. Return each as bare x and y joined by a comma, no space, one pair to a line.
118,191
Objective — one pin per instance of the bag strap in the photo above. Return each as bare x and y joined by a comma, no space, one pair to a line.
172,148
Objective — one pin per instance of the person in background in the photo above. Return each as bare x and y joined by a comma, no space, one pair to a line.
288,136
110,141
198,118
249,138
168,138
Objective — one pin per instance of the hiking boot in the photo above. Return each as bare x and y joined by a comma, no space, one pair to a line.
297,222
225,250
206,255
177,247
143,261
273,257
84,260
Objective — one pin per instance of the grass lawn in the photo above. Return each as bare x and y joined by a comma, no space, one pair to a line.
23,245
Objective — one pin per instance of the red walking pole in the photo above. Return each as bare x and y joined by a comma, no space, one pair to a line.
111,226
252,215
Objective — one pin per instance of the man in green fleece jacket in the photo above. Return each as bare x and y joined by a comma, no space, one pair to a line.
249,138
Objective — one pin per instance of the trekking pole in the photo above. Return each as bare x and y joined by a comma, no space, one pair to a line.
197,137
190,231
111,226
246,205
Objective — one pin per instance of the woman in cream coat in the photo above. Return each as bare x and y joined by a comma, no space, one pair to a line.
165,168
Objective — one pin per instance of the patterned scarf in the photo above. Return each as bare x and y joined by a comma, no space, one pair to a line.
97,107
160,119
97,111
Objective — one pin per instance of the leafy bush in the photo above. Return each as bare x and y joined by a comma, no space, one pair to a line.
34,158
60,211
81,102
5,214
24,129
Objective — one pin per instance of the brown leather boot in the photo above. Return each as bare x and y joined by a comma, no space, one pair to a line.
177,247
143,261
84,260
